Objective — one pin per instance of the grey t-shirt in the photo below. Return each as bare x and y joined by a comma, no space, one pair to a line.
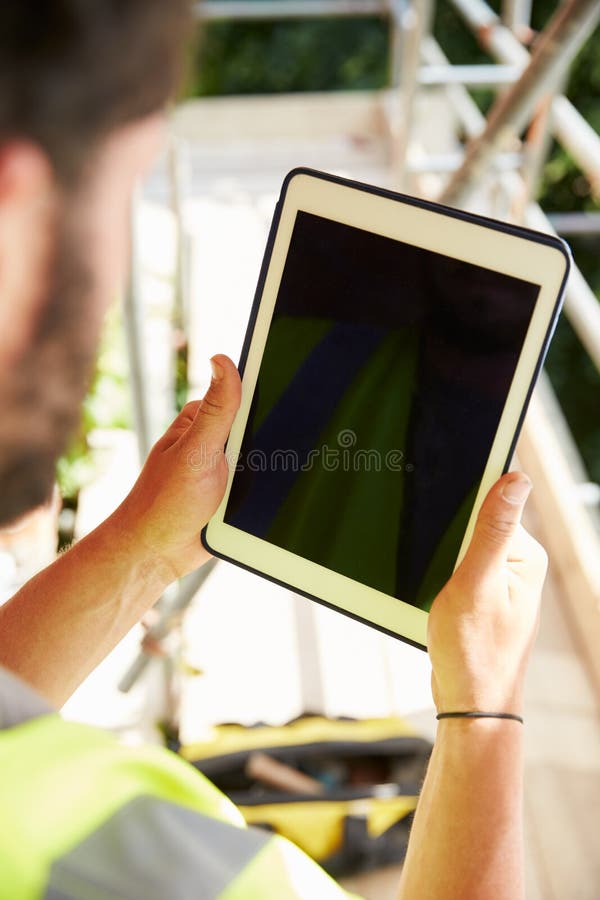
19,702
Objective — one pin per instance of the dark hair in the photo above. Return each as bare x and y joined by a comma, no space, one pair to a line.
73,70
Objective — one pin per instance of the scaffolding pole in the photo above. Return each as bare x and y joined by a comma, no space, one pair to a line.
412,21
256,10
444,163
493,36
493,75
581,306
133,320
470,116
568,125
573,22
173,604
576,223
573,132
396,51
536,148
516,14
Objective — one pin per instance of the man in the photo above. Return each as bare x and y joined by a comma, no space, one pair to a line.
82,90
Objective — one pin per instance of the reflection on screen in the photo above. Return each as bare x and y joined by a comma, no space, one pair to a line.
384,377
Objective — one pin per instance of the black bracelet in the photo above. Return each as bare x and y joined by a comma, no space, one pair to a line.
479,715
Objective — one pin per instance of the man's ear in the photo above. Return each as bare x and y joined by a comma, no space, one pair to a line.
28,210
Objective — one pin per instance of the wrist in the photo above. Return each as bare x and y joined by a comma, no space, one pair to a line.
122,539
479,733
493,696
164,543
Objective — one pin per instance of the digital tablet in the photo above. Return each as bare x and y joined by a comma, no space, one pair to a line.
392,348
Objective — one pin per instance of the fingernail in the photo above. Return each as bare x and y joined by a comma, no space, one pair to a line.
517,489
217,370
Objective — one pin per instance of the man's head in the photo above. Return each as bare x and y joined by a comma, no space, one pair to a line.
82,89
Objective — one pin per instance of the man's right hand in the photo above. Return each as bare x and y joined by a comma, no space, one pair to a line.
483,623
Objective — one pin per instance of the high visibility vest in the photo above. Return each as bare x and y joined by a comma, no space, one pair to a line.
84,817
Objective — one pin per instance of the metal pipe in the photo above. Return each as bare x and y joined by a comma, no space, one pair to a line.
469,114
491,34
415,23
572,130
133,325
568,125
536,149
581,304
516,14
474,76
575,223
547,397
450,162
553,52
174,175
582,308
245,10
168,615
396,48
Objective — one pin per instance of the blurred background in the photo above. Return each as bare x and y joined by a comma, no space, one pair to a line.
390,92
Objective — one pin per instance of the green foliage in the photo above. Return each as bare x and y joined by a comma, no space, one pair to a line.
458,42
275,57
108,404
181,374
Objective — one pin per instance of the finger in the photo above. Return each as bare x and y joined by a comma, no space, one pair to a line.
185,418
187,414
213,419
498,522
178,426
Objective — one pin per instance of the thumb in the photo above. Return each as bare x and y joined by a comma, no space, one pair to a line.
216,411
498,520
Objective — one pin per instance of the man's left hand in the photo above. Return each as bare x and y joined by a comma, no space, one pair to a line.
183,480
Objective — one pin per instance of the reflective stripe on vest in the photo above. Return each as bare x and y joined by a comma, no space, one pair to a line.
85,817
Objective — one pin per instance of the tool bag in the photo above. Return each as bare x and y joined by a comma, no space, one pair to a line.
364,779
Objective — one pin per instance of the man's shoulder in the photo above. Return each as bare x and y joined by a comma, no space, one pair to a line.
132,821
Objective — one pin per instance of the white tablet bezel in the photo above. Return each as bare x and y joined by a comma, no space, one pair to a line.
524,254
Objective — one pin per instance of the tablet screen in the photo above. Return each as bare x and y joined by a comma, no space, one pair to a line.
384,377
